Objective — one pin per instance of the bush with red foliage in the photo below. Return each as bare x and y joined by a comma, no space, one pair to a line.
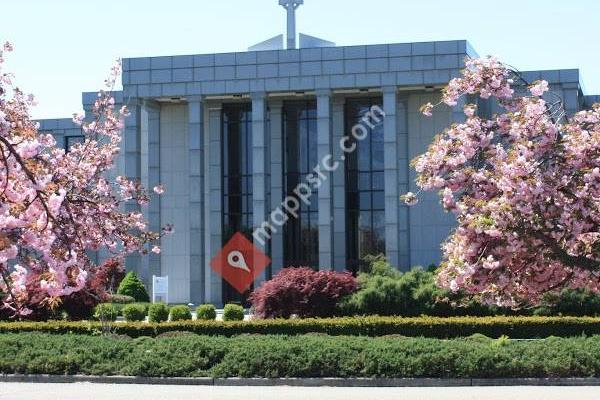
302,292
78,305
108,276
104,280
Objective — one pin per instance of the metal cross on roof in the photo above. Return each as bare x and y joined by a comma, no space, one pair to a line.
291,6
277,42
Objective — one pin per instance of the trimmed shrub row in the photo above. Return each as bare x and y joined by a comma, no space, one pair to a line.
160,312
116,309
514,327
299,356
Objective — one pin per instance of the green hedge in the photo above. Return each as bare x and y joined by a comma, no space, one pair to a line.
233,312
134,312
158,312
119,306
206,312
514,327
106,311
298,356
119,299
180,313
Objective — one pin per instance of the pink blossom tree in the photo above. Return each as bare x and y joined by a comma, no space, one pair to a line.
57,206
524,185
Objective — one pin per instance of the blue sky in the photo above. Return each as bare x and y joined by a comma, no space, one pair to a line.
64,47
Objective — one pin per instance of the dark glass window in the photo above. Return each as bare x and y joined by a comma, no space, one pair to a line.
301,235
365,228
236,153
71,140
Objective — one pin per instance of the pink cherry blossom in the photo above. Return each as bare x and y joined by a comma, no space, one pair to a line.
524,186
539,88
426,109
410,198
159,189
57,207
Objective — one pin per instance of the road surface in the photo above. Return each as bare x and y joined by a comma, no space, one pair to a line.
95,391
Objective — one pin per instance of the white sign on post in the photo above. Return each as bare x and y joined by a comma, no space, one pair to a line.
160,288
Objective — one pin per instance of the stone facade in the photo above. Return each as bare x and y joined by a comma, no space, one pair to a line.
174,137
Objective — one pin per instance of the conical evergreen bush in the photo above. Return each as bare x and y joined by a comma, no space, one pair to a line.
133,286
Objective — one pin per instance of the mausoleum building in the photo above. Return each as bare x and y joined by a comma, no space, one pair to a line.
230,135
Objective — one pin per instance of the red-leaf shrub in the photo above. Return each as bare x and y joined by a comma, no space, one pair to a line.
104,279
109,275
78,305
302,292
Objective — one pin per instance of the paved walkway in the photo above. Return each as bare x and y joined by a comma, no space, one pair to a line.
81,391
